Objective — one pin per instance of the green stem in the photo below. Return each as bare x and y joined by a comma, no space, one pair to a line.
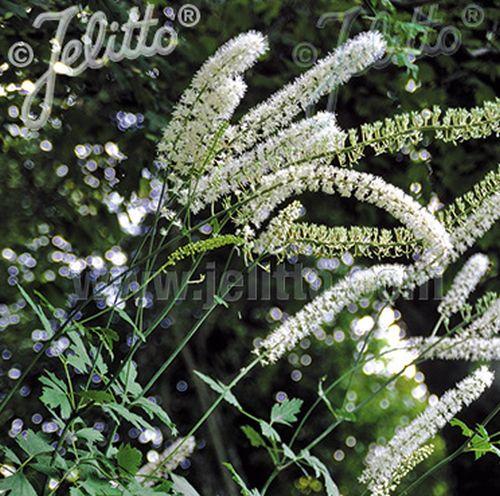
243,372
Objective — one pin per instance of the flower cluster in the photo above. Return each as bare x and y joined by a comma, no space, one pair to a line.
327,306
394,133
406,466
382,462
477,223
276,188
202,246
486,325
284,233
455,348
335,69
303,139
473,214
464,284
167,461
214,94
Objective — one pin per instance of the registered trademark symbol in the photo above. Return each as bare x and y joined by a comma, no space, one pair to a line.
189,15
472,15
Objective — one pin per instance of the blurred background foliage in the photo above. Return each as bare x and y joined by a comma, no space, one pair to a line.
81,187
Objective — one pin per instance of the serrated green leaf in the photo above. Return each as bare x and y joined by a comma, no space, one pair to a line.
466,431
220,388
481,429
320,469
129,459
288,452
55,394
100,397
240,482
44,465
107,337
128,380
269,431
17,485
33,444
78,357
90,435
97,487
156,410
10,455
48,464
38,311
114,409
99,363
74,491
182,486
253,436
125,316
286,412
343,414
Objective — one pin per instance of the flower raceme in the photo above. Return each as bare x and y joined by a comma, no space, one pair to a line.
214,94
278,187
382,462
305,138
284,235
327,306
217,89
464,284
470,348
337,68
